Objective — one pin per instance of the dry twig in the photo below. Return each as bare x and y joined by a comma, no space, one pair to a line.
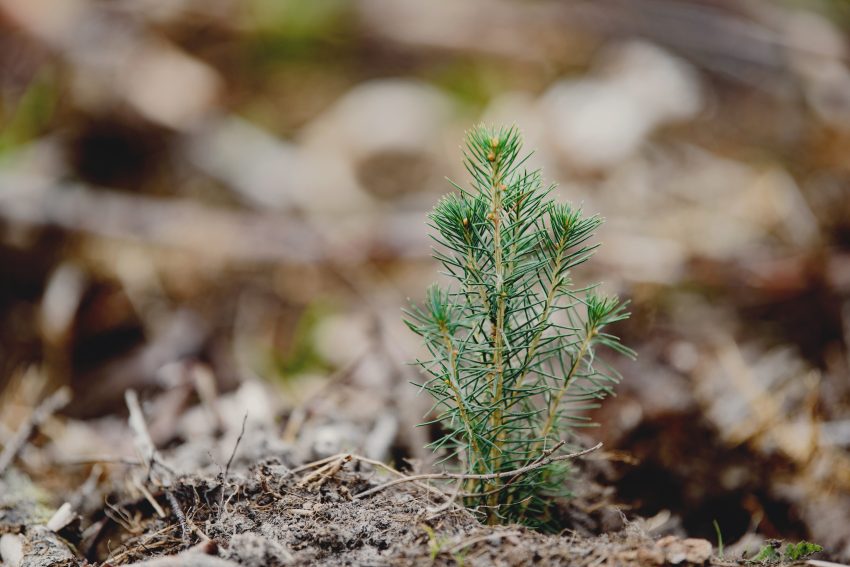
460,476
321,474
150,498
378,464
181,517
50,405
235,447
227,467
141,436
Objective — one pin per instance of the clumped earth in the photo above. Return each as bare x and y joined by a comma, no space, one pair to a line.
274,511
269,515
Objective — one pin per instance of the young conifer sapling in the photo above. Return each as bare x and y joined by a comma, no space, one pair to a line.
513,365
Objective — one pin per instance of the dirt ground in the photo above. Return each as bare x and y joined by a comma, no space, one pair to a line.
265,507
271,514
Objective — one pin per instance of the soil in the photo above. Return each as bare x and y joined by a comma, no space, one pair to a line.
274,511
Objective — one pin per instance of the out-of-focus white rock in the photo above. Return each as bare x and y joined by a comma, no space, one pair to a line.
809,35
375,125
385,132
328,183
663,86
253,398
598,121
341,339
816,52
61,517
12,549
592,123
381,115
331,438
263,169
169,87
827,89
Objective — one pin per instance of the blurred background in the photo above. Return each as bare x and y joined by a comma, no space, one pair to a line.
204,199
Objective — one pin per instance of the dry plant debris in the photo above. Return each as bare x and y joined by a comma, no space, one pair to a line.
263,505
273,513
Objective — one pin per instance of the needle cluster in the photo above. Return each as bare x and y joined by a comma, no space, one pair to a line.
513,364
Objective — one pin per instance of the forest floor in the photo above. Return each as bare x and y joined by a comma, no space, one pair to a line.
264,507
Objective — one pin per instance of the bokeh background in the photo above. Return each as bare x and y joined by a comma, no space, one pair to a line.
232,194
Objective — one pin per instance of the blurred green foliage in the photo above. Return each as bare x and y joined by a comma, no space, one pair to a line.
302,356
472,83
293,29
769,554
32,113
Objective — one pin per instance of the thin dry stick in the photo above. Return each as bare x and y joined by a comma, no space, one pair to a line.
460,476
447,497
143,541
147,450
333,458
235,447
542,456
328,470
334,468
141,436
227,467
149,497
50,405
178,511
450,500
315,464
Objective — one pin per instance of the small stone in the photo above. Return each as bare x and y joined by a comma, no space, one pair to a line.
12,549
61,518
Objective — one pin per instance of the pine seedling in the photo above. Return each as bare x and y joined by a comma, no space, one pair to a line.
513,366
